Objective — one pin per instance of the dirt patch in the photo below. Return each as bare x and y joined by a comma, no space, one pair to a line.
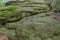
3,37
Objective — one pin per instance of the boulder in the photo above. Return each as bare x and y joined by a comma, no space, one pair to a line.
30,20
38,28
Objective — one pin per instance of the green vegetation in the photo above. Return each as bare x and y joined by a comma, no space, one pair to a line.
8,8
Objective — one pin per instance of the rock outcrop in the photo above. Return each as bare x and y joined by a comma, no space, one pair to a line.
30,20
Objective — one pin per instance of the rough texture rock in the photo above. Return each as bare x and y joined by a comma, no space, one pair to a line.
56,4
30,20
14,13
41,28
11,34
37,27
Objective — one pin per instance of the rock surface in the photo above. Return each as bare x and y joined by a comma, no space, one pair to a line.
30,20
55,5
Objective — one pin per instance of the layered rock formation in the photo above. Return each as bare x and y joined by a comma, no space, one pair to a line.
30,20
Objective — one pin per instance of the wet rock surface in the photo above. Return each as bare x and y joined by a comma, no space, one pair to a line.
30,20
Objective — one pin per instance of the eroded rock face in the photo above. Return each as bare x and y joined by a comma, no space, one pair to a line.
14,13
38,27
30,20
41,28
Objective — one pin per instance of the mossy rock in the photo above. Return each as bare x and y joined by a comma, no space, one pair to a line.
3,31
56,5
8,8
37,28
11,34
11,25
15,12
9,13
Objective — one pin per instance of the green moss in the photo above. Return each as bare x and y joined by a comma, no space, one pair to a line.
8,8
7,13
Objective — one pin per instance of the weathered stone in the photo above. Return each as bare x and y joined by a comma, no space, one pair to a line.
11,35
49,1
11,26
8,14
36,26
37,1
56,5
34,6
14,13
30,20
3,31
